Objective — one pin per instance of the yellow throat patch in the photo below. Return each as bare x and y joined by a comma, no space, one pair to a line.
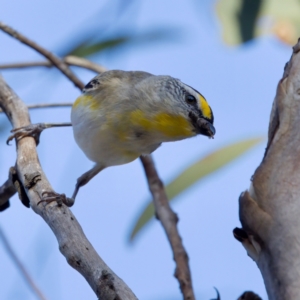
87,101
172,126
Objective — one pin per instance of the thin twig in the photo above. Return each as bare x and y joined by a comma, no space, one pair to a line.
47,105
30,282
26,65
84,63
54,59
169,221
69,60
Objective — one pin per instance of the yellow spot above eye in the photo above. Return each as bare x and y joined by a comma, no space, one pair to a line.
172,126
206,110
87,101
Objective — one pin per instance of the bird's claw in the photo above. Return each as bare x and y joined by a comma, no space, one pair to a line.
60,199
33,130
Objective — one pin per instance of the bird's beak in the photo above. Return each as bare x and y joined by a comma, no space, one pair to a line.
202,125
205,128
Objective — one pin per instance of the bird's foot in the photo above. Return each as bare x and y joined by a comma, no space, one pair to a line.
33,130
60,199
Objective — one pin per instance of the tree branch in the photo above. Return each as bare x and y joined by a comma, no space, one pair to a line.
50,56
69,60
47,105
29,281
169,222
270,210
73,244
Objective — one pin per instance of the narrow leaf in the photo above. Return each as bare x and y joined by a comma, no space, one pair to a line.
244,20
87,47
247,18
196,172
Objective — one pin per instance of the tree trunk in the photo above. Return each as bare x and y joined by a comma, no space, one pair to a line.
270,210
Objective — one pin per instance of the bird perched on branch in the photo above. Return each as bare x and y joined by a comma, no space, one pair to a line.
123,115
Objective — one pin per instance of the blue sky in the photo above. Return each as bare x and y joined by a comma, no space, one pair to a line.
239,83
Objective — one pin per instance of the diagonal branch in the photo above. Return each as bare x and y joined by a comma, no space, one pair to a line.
69,60
72,241
47,105
29,281
169,222
50,56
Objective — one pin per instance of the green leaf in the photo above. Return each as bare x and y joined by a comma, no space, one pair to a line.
227,11
247,18
238,19
87,48
195,173
244,20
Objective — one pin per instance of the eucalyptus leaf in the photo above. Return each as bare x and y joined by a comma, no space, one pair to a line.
244,20
238,19
87,47
194,173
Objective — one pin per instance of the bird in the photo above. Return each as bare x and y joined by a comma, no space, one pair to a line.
122,115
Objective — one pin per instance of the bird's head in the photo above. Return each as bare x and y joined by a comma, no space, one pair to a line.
191,104
156,104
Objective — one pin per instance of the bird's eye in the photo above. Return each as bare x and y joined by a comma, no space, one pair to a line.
190,99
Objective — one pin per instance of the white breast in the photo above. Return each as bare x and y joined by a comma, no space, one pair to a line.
96,139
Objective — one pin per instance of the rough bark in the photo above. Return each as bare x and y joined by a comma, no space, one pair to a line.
270,210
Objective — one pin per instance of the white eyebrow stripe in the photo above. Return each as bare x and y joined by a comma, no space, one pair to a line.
194,90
